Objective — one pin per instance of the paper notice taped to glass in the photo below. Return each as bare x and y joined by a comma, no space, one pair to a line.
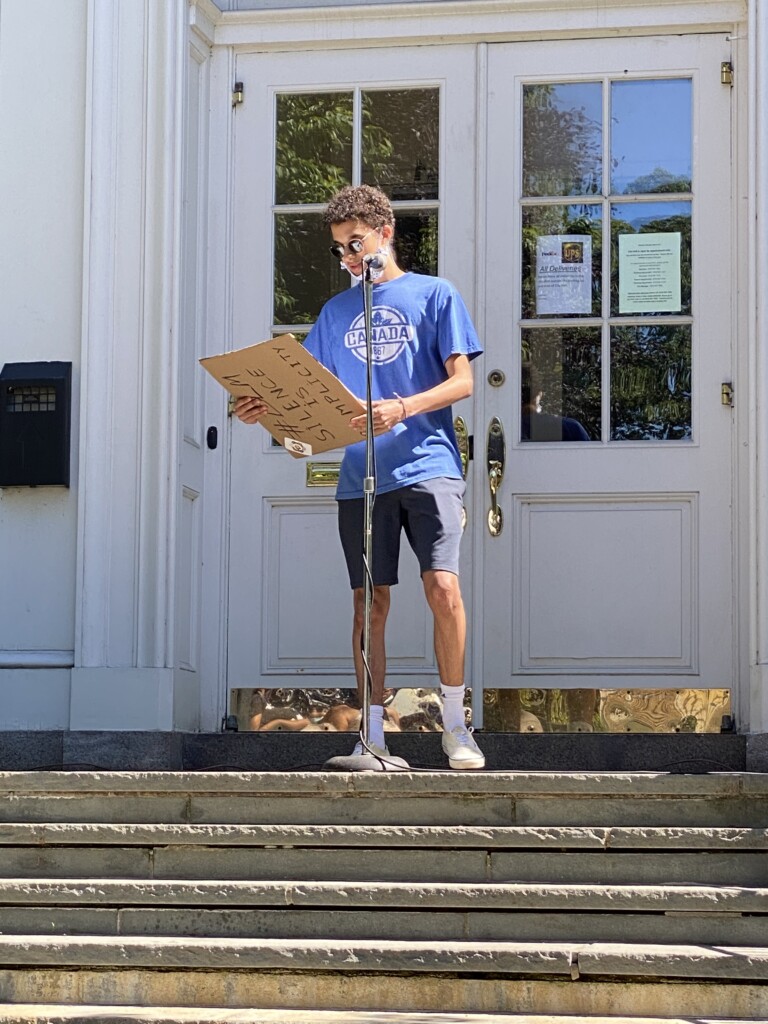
563,274
649,273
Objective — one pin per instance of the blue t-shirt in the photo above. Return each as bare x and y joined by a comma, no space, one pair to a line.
418,323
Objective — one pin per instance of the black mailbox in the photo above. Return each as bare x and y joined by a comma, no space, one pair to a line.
35,400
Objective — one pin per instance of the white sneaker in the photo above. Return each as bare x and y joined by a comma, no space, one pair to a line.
461,749
374,749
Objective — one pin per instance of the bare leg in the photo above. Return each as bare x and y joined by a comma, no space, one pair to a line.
377,656
444,598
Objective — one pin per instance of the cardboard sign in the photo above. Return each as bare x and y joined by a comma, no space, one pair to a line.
309,408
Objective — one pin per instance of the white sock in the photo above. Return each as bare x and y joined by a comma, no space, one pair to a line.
453,706
376,725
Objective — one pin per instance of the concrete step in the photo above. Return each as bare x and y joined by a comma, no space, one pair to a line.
46,1014
584,978
716,915
415,893
396,865
429,896
572,960
732,800
507,837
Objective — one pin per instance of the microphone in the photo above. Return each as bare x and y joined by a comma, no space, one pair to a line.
377,260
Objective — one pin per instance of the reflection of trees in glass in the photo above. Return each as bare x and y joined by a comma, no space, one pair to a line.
562,148
659,180
416,241
314,146
559,220
305,274
651,382
313,160
565,366
401,142
675,222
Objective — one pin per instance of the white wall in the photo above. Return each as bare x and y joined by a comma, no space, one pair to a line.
42,121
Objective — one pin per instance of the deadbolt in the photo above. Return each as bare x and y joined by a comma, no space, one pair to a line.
496,378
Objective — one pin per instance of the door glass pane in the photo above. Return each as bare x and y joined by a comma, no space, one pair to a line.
560,384
416,240
651,136
650,258
562,139
313,146
306,275
561,260
651,382
401,142
398,144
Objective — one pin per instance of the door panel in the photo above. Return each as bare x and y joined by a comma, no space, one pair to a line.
374,115
576,563
614,566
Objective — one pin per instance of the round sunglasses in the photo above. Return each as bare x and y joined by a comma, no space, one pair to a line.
338,250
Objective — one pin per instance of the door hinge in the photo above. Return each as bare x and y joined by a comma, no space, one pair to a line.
726,72
726,393
238,94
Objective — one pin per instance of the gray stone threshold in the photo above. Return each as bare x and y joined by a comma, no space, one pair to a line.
680,753
46,1014
51,1014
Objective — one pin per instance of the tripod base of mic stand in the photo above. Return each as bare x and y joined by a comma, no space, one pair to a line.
366,763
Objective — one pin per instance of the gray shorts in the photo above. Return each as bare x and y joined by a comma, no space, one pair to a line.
430,512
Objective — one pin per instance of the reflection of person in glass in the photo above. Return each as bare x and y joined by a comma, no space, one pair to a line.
536,425
423,342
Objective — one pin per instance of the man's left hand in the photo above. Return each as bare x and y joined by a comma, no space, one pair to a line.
387,413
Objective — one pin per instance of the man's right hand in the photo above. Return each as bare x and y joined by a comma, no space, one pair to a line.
249,409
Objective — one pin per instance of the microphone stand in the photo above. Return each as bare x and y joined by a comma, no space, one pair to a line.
367,761
369,493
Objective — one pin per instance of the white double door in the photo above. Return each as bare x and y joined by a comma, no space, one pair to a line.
611,562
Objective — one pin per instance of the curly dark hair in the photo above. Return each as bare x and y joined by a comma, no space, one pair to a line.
359,202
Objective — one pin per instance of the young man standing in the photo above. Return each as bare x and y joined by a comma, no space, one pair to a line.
423,342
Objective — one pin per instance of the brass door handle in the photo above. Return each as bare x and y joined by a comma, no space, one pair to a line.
495,459
463,442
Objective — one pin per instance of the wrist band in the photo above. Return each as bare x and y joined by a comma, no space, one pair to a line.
400,400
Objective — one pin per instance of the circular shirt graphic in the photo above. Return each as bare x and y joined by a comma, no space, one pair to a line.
390,333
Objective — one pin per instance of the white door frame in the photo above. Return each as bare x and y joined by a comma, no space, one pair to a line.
309,29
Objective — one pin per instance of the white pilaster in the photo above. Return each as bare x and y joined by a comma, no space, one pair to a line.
123,661
758,304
